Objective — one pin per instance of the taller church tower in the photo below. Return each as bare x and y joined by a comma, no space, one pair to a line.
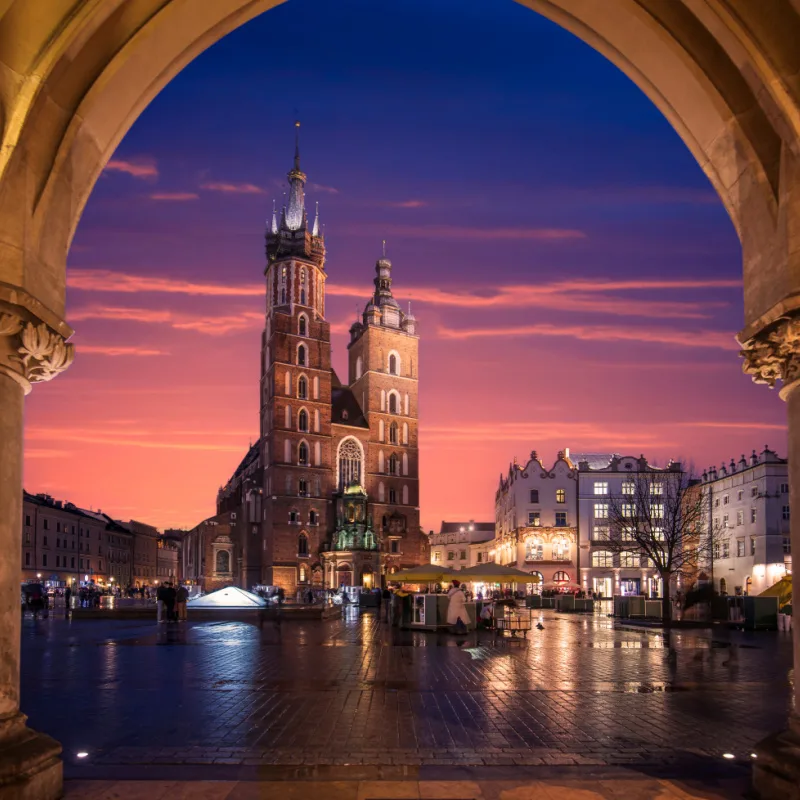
295,392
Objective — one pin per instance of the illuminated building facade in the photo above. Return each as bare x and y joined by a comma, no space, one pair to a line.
749,505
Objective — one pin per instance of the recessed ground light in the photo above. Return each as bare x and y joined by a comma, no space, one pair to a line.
82,755
728,755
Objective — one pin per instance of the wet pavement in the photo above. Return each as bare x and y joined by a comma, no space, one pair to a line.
215,700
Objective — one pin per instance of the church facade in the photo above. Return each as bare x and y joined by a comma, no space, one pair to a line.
330,491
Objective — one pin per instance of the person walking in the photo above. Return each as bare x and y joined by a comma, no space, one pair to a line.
170,596
457,608
181,596
160,593
387,602
67,600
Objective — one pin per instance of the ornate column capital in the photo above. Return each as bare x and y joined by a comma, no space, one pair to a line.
773,354
30,351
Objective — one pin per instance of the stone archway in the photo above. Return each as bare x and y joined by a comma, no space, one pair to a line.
75,74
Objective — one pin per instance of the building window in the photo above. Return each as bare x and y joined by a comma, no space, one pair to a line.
393,404
44,559
628,487
561,577
463,555
302,453
600,510
302,545
784,488
629,559
752,545
393,464
726,499
716,503
754,492
561,519
44,541
534,495
753,515
450,554
393,433
600,532
561,496
534,549
294,517
786,512
393,364
657,489
725,521
602,558
301,325
657,510
302,421
740,548
313,517
28,519
302,487
435,557
740,517
393,496
302,388
301,355
787,545
561,549
740,494
27,559
534,519
726,549
628,510
349,463
45,524
601,487
58,526
223,561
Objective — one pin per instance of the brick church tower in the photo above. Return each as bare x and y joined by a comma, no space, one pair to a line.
295,393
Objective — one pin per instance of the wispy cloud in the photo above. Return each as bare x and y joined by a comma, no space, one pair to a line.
232,188
604,333
157,443
468,233
320,187
176,197
407,204
34,452
102,350
755,426
102,280
212,325
589,296
144,168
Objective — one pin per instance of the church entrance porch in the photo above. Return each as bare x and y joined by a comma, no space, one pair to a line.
351,568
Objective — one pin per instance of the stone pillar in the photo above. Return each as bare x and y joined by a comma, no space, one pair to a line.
30,351
772,355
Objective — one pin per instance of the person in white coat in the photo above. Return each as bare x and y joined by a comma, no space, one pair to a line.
457,607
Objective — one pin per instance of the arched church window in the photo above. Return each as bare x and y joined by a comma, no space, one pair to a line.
350,461
302,287
302,387
393,433
302,420
223,561
283,285
393,364
393,404
302,545
359,367
302,326
393,464
302,453
301,355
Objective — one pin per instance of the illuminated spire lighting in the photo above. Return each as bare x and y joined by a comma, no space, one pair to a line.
295,212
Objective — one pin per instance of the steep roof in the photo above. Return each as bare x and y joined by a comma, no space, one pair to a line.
345,409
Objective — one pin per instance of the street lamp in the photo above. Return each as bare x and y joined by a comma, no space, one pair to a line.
38,574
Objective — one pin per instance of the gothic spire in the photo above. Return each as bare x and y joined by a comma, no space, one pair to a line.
274,228
315,229
296,212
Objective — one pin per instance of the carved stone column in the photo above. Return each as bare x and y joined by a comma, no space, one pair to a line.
30,351
770,356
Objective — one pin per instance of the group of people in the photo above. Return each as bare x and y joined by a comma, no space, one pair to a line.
171,603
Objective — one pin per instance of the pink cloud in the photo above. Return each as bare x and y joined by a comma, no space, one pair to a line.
139,168
232,188
408,204
175,196
320,187
212,325
757,426
101,280
481,234
103,350
701,339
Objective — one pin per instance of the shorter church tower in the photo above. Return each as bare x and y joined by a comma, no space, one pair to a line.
383,376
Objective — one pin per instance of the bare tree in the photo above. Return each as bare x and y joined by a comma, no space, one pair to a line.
662,515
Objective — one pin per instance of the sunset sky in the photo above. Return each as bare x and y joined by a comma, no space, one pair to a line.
576,280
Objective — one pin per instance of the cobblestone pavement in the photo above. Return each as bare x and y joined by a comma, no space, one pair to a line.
354,692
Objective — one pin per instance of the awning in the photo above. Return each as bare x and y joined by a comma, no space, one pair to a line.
496,573
424,573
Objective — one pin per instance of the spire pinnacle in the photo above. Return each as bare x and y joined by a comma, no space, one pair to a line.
296,211
384,248
297,144
315,229
274,228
